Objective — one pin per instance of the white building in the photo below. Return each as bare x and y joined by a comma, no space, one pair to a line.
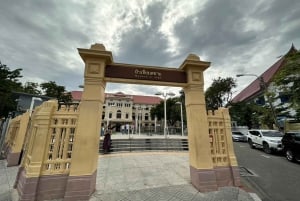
122,110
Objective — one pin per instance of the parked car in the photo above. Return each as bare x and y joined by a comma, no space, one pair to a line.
291,145
238,136
268,140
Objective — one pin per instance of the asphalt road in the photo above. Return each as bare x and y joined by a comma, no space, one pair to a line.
274,178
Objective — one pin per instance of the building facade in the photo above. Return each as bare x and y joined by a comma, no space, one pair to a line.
127,113
25,101
256,91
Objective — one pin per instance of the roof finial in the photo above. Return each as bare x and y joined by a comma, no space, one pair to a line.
98,46
193,57
292,49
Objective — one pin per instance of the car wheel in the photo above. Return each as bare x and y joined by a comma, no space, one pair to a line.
266,148
251,144
289,155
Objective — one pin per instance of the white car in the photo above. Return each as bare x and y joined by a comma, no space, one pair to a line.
238,136
268,140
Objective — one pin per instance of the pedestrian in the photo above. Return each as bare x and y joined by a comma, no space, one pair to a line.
122,129
107,140
127,128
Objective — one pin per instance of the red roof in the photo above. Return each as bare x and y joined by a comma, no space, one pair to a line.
254,88
76,95
146,99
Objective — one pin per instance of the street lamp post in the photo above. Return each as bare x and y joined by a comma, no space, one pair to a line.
165,94
181,116
140,118
32,104
140,122
107,121
265,88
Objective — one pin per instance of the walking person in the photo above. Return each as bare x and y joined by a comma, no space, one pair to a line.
107,140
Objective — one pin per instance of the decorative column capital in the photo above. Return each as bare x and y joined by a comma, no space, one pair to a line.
96,51
96,58
194,69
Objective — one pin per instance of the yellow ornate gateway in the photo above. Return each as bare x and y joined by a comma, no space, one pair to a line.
61,146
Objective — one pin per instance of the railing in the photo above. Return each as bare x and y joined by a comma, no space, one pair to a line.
218,138
60,141
147,144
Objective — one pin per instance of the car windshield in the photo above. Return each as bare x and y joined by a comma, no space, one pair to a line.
237,133
272,133
296,135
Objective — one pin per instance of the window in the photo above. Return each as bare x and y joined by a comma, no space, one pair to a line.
111,104
119,114
260,100
146,117
256,133
127,115
133,116
284,98
110,115
103,115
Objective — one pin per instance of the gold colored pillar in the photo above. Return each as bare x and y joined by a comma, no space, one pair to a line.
30,170
13,157
201,166
82,179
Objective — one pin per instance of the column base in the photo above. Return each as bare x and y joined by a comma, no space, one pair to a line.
205,180
51,187
47,187
13,159
228,176
26,187
80,187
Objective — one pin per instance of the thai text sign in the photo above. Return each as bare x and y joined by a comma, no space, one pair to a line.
129,71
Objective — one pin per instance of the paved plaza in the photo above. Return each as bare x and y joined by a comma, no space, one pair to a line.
146,176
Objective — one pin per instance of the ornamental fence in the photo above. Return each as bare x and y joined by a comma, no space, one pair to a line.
59,140
14,140
22,133
219,130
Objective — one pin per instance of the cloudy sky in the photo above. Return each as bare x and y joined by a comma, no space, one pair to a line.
237,36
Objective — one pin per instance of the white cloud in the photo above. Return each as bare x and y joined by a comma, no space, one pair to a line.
42,37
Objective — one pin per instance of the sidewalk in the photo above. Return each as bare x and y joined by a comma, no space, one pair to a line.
146,176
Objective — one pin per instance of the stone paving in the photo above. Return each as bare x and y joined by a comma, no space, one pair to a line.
7,180
146,176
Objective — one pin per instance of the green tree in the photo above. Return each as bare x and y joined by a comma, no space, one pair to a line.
51,89
219,93
9,82
253,114
287,80
245,114
31,88
173,111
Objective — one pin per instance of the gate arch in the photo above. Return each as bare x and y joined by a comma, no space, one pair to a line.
100,69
